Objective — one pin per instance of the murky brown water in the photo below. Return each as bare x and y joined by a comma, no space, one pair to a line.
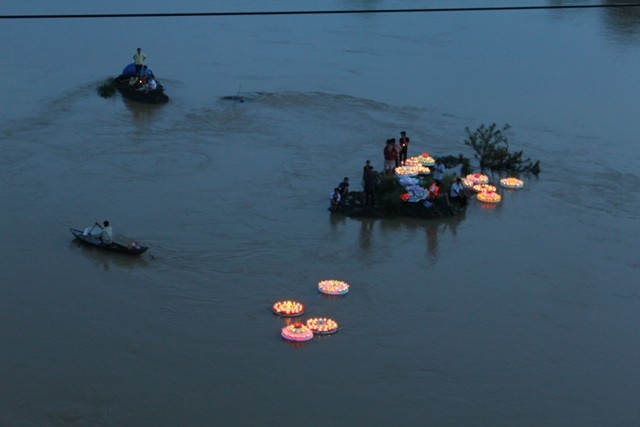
523,314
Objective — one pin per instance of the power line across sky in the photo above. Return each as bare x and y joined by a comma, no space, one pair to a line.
317,12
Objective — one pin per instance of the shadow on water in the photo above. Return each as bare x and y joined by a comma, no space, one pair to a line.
106,259
365,236
431,229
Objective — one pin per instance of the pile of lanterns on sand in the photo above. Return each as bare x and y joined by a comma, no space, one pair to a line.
304,331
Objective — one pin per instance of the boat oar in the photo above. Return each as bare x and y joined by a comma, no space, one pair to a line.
88,233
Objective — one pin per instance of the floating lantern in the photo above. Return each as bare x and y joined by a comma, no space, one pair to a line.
484,188
322,325
297,331
424,159
467,183
288,308
333,287
477,178
511,182
411,170
489,197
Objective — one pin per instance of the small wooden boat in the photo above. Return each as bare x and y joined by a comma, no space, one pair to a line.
138,91
132,248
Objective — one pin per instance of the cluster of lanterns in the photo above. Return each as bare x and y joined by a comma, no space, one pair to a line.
288,308
487,192
412,169
304,331
484,188
489,197
424,159
478,182
475,178
417,165
297,331
333,287
511,182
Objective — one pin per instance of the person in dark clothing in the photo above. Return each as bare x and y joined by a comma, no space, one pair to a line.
404,146
365,169
369,186
344,188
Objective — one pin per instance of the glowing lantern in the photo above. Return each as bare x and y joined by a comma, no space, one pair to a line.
477,178
489,197
484,188
425,159
322,325
511,183
288,308
333,287
297,331
411,170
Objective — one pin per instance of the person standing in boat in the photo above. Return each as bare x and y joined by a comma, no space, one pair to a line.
106,232
404,147
138,59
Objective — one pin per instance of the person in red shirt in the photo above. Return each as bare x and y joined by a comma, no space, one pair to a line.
390,155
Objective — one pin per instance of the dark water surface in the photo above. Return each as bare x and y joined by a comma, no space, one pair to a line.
524,314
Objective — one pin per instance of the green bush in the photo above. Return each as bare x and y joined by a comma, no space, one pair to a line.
491,147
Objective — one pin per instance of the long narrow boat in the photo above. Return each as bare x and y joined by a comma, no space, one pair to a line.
132,248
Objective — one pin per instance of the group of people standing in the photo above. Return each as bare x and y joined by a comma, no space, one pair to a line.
395,153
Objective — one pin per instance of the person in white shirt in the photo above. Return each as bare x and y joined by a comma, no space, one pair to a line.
457,194
438,171
335,200
106,234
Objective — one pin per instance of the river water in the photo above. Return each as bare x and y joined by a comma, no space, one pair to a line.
524,314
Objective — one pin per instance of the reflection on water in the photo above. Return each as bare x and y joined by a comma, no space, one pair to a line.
106,259
233,198
365,236
623,22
